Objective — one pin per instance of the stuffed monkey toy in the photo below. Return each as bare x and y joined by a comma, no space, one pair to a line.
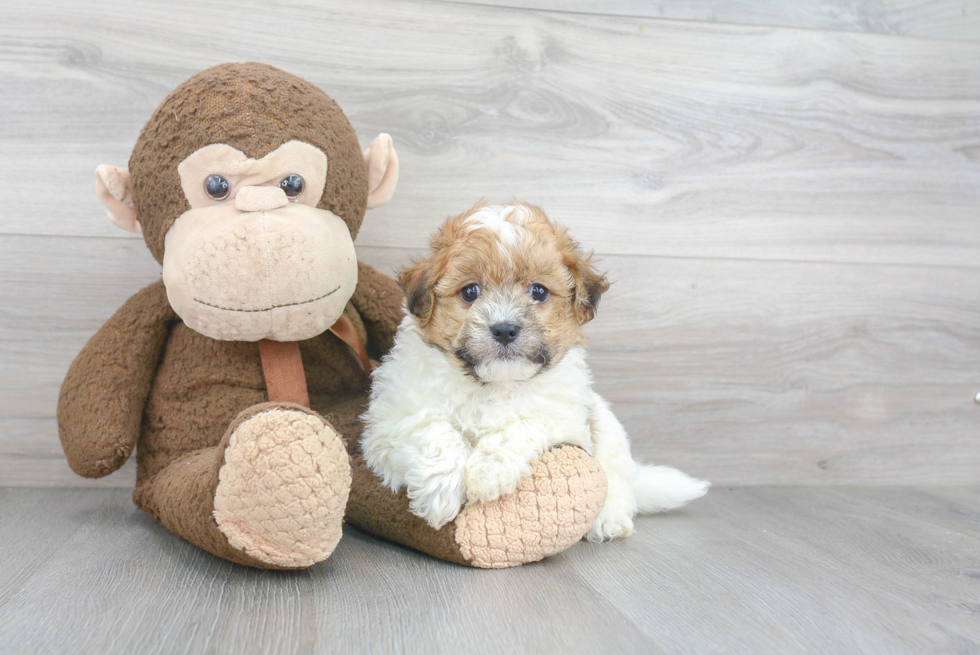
240,374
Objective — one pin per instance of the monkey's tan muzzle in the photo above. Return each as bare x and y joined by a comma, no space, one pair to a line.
249,272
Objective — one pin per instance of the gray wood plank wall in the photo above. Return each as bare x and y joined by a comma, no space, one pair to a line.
787,196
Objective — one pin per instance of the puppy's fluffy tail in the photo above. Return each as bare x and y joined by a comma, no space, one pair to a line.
660,488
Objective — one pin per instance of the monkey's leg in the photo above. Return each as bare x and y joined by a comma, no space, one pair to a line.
271,494
551,509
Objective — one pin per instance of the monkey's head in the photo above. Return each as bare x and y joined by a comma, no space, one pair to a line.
249,186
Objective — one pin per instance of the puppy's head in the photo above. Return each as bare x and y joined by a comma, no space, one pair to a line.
505,291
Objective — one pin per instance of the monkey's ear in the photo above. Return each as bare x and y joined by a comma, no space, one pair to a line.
381,162
112,186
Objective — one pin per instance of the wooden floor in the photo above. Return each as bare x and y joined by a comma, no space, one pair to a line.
784,192
777,570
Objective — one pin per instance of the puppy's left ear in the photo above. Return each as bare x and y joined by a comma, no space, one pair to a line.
589,287
419,285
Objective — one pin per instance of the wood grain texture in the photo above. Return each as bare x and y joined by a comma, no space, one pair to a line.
802,570
789,215
942,19
752,570
685,139
743,372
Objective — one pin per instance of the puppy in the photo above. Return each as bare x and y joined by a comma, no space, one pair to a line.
488,372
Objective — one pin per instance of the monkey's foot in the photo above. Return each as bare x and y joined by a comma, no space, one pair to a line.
283,488
550,510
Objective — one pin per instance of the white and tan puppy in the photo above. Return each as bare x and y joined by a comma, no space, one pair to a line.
488,372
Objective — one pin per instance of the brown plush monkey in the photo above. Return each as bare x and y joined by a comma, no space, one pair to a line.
249,187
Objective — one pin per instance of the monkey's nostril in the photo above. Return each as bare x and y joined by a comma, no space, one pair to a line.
504,333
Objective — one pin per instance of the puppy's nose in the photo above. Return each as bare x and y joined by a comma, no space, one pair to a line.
260,198
505,332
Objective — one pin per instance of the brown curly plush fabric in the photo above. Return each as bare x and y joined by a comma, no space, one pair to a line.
254,108
258,483
146,378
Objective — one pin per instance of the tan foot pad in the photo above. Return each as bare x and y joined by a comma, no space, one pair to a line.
283,488
552,509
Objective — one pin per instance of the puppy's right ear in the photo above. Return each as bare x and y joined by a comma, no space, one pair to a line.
418,282
589,287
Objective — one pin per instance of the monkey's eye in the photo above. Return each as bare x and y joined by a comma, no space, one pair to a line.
217,187
539,293
292,185
470,293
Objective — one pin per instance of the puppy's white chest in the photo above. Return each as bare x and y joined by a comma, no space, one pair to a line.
550,419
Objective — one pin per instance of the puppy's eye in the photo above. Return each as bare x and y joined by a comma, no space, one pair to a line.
470,293
292,185
539,293
217,187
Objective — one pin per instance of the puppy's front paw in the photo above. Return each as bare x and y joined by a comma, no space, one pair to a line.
438,499
490,475
613,522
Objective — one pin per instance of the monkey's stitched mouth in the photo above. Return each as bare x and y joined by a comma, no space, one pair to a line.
269,309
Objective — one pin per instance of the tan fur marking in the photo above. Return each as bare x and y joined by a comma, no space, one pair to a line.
465,252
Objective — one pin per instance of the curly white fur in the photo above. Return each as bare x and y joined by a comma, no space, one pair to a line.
449,439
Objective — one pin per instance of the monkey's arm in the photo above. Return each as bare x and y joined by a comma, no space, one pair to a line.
378,298
102,398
